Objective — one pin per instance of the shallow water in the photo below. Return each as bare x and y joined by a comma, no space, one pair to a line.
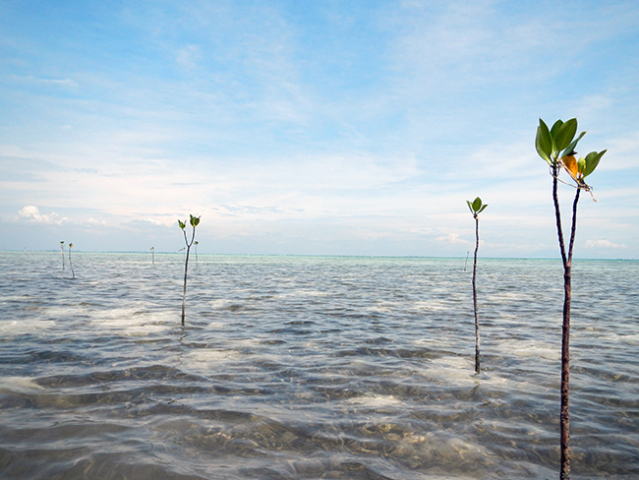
312,367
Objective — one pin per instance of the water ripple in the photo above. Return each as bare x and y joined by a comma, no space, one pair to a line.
305,368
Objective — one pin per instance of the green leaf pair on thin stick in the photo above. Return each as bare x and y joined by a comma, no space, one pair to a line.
194,222
476,207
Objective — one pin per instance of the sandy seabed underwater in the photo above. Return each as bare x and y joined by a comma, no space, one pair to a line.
312,368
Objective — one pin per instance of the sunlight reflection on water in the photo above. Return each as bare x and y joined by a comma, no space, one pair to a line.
302,367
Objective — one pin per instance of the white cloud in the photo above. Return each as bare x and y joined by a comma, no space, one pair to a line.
33,215
60,82
93,221
603,244
454,239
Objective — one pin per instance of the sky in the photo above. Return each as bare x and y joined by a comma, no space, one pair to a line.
327,127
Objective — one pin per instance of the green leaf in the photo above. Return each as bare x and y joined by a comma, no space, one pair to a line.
540,149
555,128
571,148
565,134
483,207
181,224
470,205
194,221
592,160
544,141
477,204
581,165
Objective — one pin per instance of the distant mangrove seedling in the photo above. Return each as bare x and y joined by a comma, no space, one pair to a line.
62,252
153,255
194,221
70,262
557,147
476,207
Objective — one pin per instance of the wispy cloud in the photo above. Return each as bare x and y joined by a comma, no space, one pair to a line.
95,222
454,239
59,82
603,244
32,214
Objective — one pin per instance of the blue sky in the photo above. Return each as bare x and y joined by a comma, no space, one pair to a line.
318,127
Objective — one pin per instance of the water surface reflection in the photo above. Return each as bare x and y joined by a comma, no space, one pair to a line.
303,368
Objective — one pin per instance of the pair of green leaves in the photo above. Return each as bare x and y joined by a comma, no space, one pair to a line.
550,142
559,142
476,207
194,221
587,165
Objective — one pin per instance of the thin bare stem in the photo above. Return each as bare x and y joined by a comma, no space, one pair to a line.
186,268
573,228
565,380
70,263
566,454
555,197
564,416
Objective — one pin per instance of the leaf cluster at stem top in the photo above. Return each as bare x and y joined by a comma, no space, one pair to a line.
559,142
476,207
193,221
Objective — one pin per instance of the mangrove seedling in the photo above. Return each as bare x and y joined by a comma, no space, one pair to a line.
194,221
71,263
196,243
62,252
476,207
556,146
153,255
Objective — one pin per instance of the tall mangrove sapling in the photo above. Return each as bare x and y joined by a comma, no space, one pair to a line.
194,221
476,207
557,147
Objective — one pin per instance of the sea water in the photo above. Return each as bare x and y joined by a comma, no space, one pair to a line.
312,367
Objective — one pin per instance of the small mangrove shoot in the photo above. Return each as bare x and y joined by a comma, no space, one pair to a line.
71,263
556,146
153,255
194,221
476,207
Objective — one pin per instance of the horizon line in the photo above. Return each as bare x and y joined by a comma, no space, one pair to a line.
140,252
